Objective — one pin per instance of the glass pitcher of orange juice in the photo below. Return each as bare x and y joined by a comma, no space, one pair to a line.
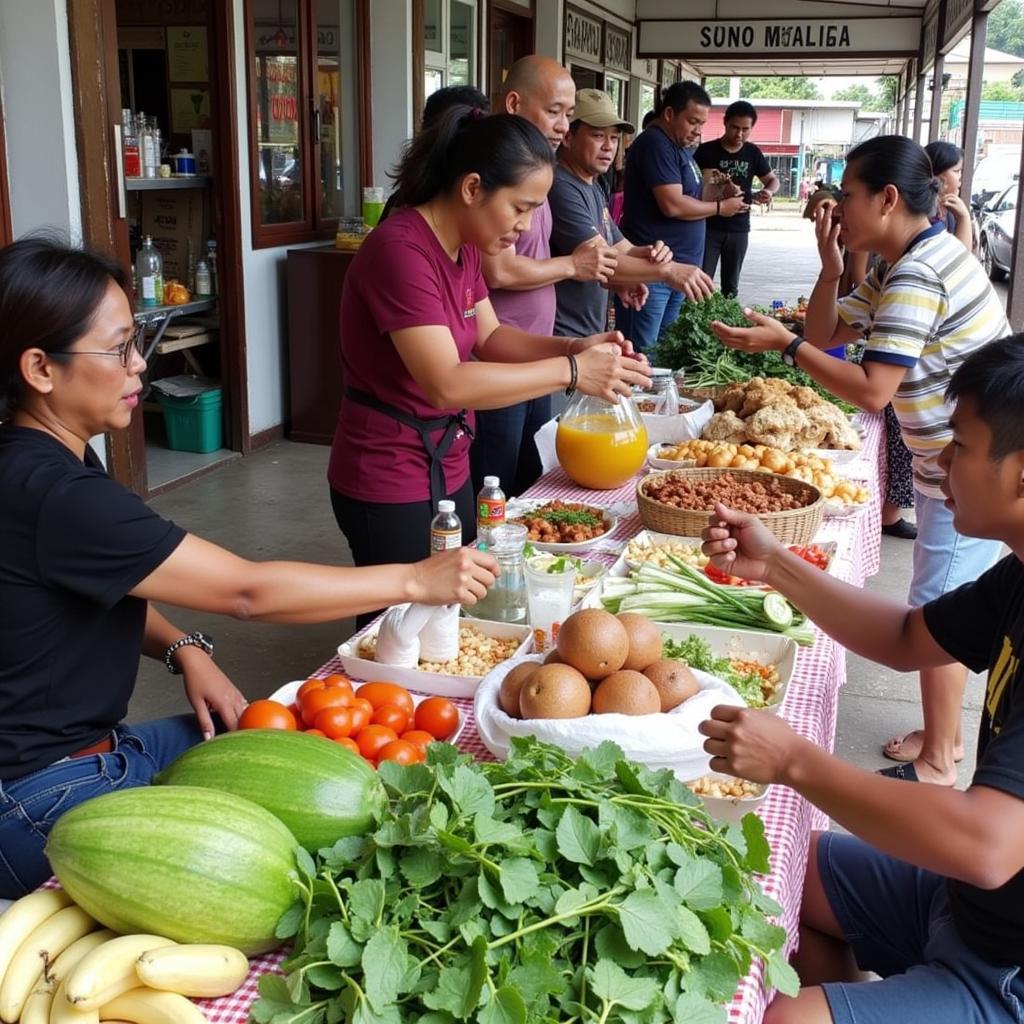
600,444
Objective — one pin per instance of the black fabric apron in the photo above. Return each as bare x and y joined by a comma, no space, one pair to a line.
450,424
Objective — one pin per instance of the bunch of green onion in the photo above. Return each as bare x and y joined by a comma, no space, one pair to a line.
687,595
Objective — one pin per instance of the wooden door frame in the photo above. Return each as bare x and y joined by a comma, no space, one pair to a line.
507,7
92,29
92,26
6,228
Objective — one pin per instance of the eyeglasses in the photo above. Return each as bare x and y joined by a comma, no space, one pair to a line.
124,351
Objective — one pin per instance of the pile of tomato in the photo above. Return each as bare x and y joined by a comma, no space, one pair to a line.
812,553
379,721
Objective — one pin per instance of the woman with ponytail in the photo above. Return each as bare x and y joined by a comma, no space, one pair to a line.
947,166
420,344
922,309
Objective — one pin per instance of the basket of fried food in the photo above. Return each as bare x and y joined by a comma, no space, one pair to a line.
680,501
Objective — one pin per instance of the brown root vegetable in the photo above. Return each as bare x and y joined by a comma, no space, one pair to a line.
626,693
673,681
594,642
555,691
508,693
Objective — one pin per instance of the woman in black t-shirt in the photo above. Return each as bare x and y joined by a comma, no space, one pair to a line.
83,558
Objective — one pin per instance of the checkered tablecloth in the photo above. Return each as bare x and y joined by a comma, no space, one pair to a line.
810,707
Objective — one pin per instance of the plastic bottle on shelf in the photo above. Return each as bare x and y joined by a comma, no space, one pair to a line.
445,528
130,145
490,510
203,280
151,274
211,262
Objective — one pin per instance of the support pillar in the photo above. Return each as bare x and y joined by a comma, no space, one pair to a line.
972,102
937,69
1015,297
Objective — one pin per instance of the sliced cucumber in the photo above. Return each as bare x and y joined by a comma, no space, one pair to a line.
778,610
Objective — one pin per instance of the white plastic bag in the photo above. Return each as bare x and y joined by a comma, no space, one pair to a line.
398,638
668,740
439,637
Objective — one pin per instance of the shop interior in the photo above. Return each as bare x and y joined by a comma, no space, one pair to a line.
170,191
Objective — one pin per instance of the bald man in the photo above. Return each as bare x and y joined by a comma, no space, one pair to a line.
522,278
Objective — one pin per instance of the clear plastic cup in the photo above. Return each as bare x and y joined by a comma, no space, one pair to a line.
549,601
373,205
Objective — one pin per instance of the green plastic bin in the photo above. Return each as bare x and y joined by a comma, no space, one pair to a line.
193,424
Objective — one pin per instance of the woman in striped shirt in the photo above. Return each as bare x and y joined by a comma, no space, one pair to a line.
920,312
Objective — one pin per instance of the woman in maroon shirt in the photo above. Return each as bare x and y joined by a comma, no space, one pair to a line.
421,345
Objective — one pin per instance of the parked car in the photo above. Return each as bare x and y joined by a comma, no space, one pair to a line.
996,227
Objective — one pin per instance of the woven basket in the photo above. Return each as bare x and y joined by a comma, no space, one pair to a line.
794,526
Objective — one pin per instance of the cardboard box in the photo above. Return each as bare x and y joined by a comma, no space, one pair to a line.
174,219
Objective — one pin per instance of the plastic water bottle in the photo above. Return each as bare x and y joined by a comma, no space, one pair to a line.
490,510
151,274
445,528
203,288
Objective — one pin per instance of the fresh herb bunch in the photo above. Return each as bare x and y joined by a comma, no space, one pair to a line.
541,889
690,345
696,652
570,516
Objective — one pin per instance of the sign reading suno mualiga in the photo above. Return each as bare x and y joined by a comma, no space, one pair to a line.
790,36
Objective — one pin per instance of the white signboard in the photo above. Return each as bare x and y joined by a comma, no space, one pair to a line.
781,36
583,36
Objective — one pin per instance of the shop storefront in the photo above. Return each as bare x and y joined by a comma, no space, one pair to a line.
598,53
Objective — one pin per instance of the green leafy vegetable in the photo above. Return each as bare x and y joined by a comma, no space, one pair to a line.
696,652
540,889
690,345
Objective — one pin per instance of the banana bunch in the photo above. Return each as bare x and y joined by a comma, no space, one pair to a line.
57,966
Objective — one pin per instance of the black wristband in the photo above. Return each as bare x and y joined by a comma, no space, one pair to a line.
573,375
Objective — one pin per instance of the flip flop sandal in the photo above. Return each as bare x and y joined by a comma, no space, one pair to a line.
903,758
907,772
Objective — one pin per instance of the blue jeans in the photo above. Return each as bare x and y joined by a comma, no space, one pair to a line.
643,327
897,920
31,804
503,445
943,558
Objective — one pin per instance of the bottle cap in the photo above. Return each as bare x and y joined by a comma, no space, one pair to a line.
446,506
660,371
491,481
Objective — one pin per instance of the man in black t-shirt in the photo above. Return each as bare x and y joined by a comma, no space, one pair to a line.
927,890
731,162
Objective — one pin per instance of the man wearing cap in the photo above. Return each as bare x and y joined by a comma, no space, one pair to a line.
580,212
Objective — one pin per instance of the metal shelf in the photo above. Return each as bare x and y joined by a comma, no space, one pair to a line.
160,184
154,314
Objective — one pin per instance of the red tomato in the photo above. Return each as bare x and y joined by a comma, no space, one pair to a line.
339,680
372,738
811,553
437,716
717,576
308,686
362,702
420,737
347,741
361,716
392,716
315,701
335,722
315,732
386,693
400,751
267,714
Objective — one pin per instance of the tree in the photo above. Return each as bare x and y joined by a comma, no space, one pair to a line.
1001,91
888,87
858,93
780,87
717,87
1006,28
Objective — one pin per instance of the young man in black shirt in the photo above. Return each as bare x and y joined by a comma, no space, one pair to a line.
732,159
928,889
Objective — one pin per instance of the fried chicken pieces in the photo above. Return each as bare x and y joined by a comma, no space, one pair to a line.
774,412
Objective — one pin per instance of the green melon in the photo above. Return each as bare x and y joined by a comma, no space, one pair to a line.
320,790
193,864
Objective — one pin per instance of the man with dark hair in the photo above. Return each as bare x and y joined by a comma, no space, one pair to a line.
579,210
731,163
927,890
665,198
453,96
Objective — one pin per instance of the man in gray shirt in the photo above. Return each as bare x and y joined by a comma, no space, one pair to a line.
580,211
